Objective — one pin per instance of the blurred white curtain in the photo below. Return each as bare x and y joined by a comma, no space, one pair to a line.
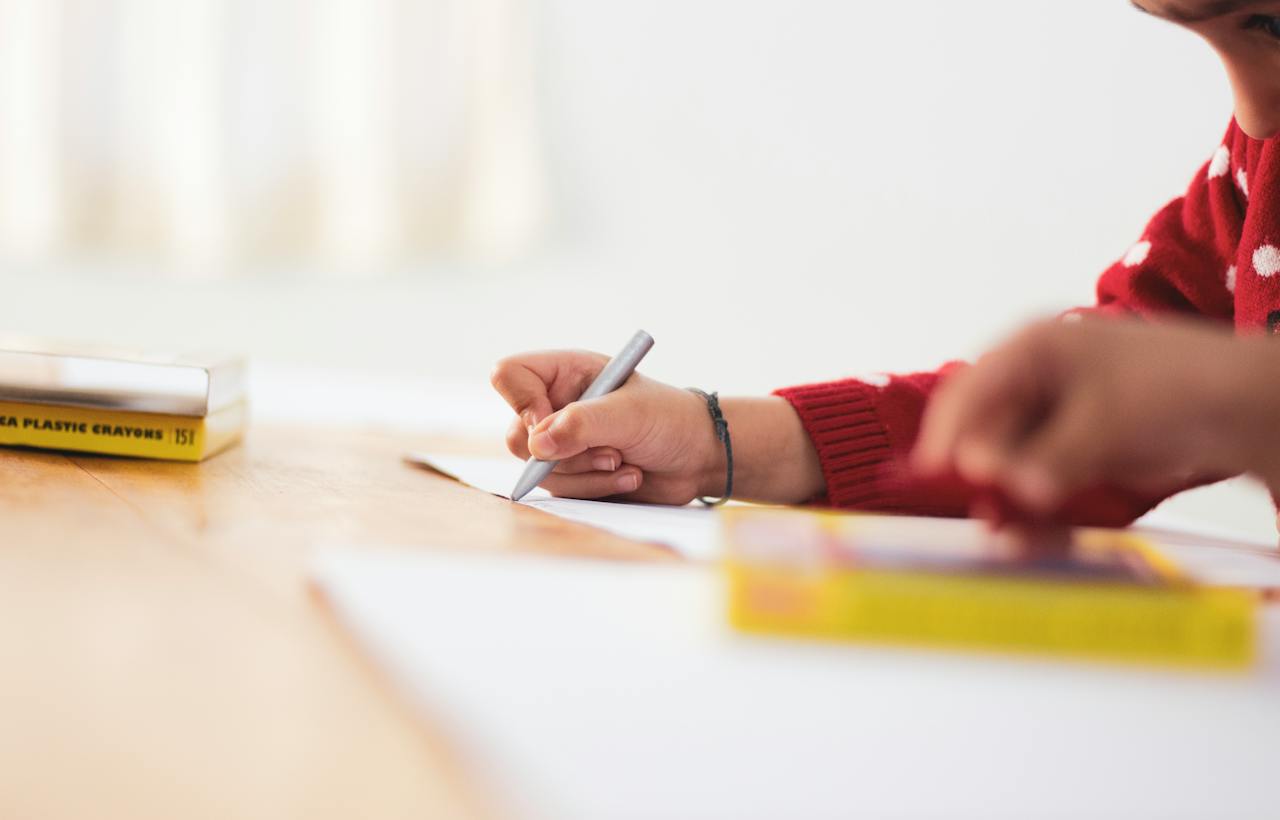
216,135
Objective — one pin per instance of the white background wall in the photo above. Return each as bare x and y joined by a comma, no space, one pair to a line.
777,191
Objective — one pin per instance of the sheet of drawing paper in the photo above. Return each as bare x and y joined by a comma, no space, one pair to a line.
691,531
589,689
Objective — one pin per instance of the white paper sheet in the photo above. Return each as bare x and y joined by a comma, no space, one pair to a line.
691,531
596,690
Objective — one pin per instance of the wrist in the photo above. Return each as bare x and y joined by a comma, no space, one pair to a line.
713,461
773,459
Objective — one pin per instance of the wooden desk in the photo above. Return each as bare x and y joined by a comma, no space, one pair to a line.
163,657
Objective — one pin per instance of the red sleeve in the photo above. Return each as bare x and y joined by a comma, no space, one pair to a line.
863,430
1182,262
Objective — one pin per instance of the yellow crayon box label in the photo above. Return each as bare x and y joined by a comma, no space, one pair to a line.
111,432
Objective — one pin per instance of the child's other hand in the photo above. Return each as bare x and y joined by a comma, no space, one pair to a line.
1060,408
646,441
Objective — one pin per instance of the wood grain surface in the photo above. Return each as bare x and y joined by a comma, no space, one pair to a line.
164,657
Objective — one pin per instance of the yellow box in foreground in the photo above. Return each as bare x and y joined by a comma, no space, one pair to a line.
1106,595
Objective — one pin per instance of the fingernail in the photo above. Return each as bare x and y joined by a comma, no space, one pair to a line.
543,446
605,463
529,421
628,482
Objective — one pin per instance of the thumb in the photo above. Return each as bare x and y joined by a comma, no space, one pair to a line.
972,420
578,427
1060,459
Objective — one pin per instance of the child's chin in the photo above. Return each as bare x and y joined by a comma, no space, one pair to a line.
1261,135
1259,129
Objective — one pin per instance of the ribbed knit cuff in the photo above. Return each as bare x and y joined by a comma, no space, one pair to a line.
853,444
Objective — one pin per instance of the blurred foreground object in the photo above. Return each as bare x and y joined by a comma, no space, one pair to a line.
1099,594
99,400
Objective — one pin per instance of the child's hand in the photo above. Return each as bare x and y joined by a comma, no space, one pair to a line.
646,440
1063,407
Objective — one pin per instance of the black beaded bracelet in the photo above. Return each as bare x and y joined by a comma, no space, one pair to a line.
722,435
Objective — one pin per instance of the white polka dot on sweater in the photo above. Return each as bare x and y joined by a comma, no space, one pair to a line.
875,379
1231,279
1137,254
1242,180
1221,162
1266,260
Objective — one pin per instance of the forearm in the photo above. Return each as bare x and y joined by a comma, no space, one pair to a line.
773,459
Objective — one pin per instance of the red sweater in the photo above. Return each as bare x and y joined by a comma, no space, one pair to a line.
1213,252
